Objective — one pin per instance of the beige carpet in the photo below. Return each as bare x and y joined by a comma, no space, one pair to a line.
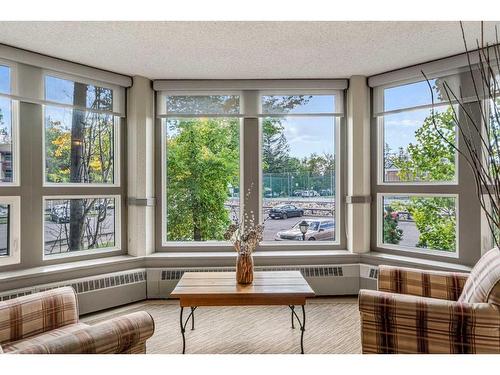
332,326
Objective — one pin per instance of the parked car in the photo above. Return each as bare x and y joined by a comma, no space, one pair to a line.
284,211
59,214
298,193
310,193
325,192
319,230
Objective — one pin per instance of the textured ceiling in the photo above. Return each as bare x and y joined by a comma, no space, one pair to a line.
224,50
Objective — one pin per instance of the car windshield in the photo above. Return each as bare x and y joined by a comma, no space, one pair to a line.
313,225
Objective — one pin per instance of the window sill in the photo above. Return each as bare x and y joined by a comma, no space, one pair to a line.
403,261
67,267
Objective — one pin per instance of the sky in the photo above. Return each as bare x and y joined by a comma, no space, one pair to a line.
312,134
5,123
399,128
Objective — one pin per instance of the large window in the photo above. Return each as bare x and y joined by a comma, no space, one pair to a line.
266,154
417,174
81,134
201,159
299,166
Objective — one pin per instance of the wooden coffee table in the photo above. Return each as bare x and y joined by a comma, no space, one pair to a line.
288,288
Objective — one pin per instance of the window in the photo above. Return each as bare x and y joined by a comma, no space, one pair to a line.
81,138
417,175
413,151
92,219
8,130
79,144
9,230
299,166
237,150
418,222
201,154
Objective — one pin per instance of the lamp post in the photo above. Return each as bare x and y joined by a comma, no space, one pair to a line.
304,226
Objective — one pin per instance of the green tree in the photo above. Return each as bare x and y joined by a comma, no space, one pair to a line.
203,160
436,222
431,159
392,233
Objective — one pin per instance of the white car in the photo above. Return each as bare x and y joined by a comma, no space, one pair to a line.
310,193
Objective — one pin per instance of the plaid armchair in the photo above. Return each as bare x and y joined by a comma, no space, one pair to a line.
418,311
47,323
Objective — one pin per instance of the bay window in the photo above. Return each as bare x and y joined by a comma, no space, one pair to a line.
81,152
421,188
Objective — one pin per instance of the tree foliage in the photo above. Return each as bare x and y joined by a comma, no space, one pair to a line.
392,233
431,158
203,160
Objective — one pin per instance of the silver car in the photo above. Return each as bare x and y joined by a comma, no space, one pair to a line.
319,230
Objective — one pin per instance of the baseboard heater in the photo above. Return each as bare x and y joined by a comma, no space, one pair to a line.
326,280
97,292
119,288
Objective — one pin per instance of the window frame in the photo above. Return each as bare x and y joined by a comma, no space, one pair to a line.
14,230
14,109
414,249
380,117
469,215
163,184
250,110
71,254
338,198
117,123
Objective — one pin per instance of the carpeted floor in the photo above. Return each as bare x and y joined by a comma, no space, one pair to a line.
332,326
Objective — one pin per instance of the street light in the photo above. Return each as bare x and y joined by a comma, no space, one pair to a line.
304,226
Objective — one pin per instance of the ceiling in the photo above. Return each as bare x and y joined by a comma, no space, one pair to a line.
244,50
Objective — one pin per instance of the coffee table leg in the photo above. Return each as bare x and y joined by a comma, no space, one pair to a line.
192,317
184,324
182,332
302,324
302,328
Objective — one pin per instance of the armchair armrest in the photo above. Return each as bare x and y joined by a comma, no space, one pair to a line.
125,334
397,323
433,284
37,313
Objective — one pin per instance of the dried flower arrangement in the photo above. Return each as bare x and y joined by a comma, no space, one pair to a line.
245,234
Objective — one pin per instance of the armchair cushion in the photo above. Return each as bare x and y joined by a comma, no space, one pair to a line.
397,323
434,284
37,313
125,334
42,337
483,284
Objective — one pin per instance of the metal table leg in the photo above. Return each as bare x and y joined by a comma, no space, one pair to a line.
302,325
184,324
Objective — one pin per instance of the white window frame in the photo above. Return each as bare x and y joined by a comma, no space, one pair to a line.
414,249
14,115
14,229
116,127
163,117
336,142
71,254
116,156
380,118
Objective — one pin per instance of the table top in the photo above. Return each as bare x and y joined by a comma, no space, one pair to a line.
221,289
